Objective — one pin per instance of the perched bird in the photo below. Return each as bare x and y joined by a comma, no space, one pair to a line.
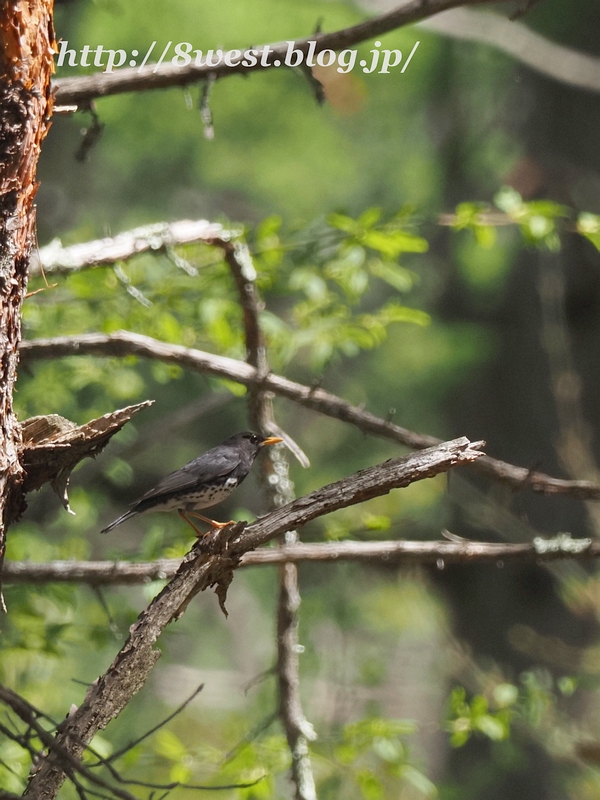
203,482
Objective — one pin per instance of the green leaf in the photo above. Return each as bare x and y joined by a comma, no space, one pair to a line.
343,223
235,388
395,242
369,218
397,276
370,785
485,235
492,727
419,781
387,749
393,312
508,200
377,522
505,694
168,745
567,685
588,225
268,227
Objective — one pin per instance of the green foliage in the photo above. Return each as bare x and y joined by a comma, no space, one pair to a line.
536,219
374,758
256,763
475,716
328,294
329,278
589,226
532,704
468,216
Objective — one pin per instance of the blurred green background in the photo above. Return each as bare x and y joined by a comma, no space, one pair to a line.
452,681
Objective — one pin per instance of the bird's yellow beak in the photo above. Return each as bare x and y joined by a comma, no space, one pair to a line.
271,440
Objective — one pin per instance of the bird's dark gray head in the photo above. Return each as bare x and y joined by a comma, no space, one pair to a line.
250,442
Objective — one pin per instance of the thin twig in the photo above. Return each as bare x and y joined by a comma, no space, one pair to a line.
251,736
57,750
122,343
81,90
118,753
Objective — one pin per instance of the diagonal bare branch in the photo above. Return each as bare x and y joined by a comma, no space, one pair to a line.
124,343
540,54
111,692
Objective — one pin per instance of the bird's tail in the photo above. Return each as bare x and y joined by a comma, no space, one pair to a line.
118,521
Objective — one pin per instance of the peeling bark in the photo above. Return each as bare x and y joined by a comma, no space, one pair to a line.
52,446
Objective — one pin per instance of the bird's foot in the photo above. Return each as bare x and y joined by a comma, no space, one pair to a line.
214,524
220,525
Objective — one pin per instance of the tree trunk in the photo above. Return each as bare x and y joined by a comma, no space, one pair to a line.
26,64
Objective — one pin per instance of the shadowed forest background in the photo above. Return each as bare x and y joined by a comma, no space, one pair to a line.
458,681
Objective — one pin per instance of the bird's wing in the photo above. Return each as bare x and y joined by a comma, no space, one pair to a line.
205,468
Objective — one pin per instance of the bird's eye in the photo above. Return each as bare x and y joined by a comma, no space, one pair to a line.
254,439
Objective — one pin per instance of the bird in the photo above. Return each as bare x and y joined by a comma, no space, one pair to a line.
204,482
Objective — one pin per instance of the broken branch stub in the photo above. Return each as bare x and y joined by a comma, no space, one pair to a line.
52,446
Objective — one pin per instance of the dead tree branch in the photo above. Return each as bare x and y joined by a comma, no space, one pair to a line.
278,489
52,446
81,91
540,54
161,236
116,573
111,692
124,343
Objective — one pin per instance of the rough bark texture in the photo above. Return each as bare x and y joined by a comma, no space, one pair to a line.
26,53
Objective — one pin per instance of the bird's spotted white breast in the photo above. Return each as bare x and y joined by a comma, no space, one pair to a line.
204,497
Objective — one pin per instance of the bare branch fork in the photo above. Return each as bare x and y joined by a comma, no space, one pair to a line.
81,91
111,692
124,343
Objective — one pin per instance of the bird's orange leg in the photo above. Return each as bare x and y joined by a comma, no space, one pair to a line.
212,522
198,533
